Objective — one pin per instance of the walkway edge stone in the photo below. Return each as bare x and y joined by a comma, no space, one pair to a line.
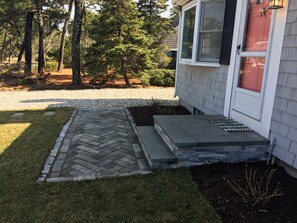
54,151
96,176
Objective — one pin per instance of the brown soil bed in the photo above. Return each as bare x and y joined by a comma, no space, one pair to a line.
228,204
143,116
15,81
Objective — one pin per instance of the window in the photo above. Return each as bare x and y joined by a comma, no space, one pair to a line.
204,28
210,31
188,33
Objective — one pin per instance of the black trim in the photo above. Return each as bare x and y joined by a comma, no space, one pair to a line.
230,10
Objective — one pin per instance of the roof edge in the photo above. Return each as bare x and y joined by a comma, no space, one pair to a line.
179,2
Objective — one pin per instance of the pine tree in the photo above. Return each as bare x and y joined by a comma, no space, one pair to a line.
156,26
120,45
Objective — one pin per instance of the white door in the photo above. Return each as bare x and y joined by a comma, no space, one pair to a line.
251,60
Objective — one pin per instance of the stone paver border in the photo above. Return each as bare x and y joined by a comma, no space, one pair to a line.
95,176
50,160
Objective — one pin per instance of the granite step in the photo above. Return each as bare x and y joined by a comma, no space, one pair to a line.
156,151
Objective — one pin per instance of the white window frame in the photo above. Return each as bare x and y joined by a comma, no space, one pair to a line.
186,8
193,61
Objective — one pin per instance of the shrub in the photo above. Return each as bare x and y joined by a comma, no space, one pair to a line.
51,66
159,77
145,79
256,191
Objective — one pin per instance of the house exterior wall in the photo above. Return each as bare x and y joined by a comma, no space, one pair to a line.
284,116
202,87
172,40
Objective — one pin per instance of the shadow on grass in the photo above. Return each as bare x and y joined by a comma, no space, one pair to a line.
164,196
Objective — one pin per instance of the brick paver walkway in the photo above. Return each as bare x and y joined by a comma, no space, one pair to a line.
98,143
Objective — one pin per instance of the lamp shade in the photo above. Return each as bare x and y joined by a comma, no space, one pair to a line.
276,4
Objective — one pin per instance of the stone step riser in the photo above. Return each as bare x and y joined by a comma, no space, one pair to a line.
199,155
151,143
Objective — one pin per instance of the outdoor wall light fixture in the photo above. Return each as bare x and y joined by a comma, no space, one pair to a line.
276,4
273,4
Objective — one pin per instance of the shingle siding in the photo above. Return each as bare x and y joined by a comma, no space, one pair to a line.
284,117
202,87
172,40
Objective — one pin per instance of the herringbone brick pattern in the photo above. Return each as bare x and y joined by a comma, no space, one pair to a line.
99,142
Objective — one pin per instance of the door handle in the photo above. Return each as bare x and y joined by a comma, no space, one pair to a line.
238,49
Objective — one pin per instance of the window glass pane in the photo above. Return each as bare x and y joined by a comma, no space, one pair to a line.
251,73
257,26
213,14
210,32
188,33
210,45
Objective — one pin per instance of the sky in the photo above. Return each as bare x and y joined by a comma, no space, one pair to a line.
167,14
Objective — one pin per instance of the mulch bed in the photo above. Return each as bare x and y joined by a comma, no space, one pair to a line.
229,205
15,80
143,116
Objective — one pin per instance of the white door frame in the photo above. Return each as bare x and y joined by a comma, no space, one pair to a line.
246,101
262,126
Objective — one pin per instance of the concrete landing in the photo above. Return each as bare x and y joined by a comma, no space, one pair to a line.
156,151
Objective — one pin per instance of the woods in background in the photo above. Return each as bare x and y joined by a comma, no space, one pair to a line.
102,38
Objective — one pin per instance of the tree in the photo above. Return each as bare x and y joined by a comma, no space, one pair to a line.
77,23
119,44
64,32
156,26
49,8
11,20
41,56
28,42
4,44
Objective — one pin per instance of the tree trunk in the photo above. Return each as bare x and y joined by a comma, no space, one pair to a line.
4,45
84,21
77,23
124,72
64,32
22,50
28,43
10,50
41,59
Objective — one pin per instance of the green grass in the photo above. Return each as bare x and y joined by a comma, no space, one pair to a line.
164,196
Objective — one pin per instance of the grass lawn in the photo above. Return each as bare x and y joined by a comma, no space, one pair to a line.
25,142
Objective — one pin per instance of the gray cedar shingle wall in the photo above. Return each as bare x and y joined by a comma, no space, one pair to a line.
284,117
202,87
172,40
